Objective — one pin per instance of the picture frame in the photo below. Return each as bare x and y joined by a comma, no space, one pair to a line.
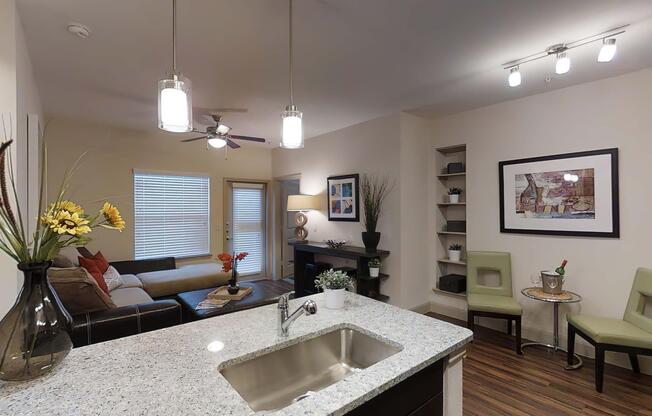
343,194
571,194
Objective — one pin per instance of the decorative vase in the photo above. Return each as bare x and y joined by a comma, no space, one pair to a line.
370,240
454,198
374,271
334,298
454,255
34,335
233,284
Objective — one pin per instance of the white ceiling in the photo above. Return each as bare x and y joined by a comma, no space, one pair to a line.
355,60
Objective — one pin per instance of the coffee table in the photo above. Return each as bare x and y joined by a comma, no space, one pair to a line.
265,291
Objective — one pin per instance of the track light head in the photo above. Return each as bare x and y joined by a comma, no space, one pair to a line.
608,50
563,63
514,78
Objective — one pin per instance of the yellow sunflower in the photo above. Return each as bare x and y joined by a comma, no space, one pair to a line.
112,217
64,222
65,205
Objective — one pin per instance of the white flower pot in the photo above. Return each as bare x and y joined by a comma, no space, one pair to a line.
454,198
454,255
334,298
373,271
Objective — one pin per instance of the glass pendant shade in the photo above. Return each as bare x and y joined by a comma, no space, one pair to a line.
216,142
563,63
608,50
514,78
175,105
292,137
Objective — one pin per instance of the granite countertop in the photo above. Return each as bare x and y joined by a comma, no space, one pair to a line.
172,371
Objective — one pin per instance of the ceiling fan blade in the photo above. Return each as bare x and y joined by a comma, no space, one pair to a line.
232,144
251,139
193,139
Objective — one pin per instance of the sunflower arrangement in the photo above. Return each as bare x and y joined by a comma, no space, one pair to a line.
64,223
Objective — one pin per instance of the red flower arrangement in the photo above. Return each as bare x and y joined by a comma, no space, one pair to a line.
228,260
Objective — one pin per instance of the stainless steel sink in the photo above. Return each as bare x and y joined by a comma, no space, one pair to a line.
280,378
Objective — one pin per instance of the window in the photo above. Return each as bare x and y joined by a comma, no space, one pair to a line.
171,215
249,226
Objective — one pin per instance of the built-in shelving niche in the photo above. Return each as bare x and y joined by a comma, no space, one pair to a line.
445,210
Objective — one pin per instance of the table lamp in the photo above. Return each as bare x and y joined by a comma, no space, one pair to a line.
301,203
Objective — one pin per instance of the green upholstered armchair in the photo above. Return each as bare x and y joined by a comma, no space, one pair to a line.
631,335
492,301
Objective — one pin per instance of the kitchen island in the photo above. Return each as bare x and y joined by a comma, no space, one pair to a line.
176,371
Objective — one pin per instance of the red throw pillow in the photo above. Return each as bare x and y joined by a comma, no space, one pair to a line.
92,267
101,262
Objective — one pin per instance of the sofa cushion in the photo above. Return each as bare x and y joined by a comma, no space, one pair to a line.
112,278
125,296
78,290
183,279
130,280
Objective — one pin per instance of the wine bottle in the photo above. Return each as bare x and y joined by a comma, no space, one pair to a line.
561,269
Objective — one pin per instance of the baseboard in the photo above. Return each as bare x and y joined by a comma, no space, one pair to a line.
423,308
582,347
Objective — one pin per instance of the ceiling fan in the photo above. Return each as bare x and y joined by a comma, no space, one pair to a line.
218,136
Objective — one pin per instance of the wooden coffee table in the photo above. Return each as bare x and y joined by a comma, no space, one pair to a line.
265,291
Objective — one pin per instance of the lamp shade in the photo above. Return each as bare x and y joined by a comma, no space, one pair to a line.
302,202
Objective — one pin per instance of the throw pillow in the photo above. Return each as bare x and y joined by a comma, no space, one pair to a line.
101,262
78,291
91,266
112,278
62,261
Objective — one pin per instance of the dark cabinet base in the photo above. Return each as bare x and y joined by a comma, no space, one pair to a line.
418,395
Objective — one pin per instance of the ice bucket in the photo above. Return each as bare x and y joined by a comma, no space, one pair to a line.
551,282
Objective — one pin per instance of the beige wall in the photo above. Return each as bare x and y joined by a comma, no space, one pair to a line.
106,172
18,97
610,113
395,147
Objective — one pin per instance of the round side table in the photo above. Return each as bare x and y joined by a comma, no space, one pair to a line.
537,293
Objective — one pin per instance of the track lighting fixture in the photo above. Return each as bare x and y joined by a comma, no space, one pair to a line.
560,51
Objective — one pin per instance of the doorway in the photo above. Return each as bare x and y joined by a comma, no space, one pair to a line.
287,187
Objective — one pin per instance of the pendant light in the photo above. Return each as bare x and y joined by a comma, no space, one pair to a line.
608,50
292,135
563,63
174,92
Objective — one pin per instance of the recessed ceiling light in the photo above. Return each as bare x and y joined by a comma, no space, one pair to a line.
79,30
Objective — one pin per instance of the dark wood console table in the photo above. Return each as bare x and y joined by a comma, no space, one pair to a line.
366,285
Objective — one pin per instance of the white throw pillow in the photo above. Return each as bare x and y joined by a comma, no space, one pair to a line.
112,278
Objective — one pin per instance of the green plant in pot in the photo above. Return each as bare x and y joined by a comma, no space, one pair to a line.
454,195
374,267
454,252
334,283
34,336
374,191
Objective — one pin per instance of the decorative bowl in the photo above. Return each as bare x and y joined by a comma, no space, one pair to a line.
335,243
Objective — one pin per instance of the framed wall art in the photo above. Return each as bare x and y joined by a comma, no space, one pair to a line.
343,198
572,194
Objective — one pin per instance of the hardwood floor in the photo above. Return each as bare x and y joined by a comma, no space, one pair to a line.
498,382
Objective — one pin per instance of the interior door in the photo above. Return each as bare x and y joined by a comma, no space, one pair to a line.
245,225
288,187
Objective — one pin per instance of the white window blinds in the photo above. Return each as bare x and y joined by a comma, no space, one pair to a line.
171,215
249,226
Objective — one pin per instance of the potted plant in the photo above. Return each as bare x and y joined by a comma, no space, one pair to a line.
454,195
34,336
230,264
334,283
374,190
454,252
374,267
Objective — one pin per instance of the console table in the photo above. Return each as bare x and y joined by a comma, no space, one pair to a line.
365,285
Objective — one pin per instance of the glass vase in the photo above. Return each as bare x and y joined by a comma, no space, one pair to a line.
34,335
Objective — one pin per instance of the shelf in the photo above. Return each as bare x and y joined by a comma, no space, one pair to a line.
443,292
449,233
452,149
380,276
451,175
447,261
451,204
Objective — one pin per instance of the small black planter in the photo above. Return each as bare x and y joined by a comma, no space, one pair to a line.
370,240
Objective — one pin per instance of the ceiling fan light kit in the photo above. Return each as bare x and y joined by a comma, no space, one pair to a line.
175,93
563,61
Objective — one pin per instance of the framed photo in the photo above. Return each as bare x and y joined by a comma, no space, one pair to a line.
343,198
572,194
